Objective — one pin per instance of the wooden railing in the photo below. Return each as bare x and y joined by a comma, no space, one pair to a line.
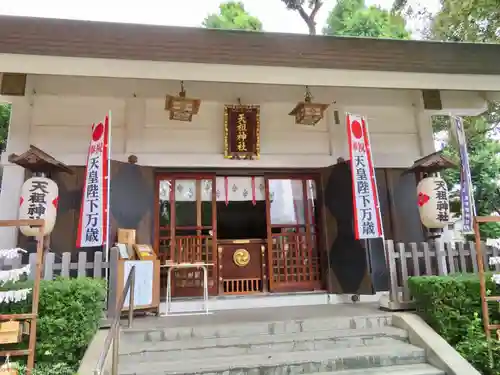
427,259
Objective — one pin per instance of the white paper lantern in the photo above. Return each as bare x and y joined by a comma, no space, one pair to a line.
433,202
39,198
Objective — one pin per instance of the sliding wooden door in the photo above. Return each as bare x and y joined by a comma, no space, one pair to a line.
293,255
186,229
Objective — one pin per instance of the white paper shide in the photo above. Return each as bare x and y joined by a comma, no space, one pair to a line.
494,260
14,275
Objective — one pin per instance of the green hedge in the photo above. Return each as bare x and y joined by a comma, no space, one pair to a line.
452,306
70,311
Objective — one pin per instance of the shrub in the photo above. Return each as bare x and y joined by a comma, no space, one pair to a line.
69,313
52,369
476,349
452,306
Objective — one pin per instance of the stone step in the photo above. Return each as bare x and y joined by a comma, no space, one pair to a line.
256,344
418,369
284,363
255,328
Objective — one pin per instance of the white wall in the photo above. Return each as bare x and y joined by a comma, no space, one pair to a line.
57,111
61,110
64,107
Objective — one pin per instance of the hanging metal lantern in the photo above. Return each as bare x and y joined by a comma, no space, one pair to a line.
433,202
307,112
39,199
180,107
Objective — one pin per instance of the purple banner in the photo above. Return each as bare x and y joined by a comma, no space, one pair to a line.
466,188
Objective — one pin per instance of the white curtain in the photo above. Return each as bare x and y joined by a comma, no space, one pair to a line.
286,196
239,189
287,202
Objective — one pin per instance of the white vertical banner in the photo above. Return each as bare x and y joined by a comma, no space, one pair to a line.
367,218
94,211
466,187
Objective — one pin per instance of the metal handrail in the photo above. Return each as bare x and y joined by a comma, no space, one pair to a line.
113,336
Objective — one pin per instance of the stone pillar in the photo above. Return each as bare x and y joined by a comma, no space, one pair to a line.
13,176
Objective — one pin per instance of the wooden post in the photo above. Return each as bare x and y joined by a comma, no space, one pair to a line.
32,317
482,280
404,272
112,283
393,273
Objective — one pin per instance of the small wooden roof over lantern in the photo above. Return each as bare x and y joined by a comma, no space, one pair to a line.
182,108
430,164
38,161
307,112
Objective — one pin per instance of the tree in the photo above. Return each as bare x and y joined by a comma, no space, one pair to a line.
354,18
4,124
309,18
484,156
232,16
475,21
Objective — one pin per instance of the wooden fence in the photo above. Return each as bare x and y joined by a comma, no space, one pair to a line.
428,259
73,265
404,261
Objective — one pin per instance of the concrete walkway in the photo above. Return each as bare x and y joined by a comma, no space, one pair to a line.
260,315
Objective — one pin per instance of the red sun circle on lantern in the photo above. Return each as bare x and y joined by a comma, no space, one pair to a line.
357,130
97,132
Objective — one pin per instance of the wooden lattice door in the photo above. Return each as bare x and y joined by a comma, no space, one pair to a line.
186,230
293,256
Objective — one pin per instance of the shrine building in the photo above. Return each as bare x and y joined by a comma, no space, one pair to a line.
230,140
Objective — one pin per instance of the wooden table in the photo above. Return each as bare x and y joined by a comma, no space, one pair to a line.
170,267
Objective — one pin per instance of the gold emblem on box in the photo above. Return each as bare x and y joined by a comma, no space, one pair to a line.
241,257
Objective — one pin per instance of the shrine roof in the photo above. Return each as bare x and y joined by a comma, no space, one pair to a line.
37,160
74,38
432,163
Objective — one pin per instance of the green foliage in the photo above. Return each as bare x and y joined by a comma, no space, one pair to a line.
50,369
354,18
467,21
232,16
476,348
4,124
452,306
70,311
484,156
474,21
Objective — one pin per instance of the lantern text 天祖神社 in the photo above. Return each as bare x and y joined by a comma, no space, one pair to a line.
39,199
433,202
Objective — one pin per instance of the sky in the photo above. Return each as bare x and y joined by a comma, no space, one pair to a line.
273,14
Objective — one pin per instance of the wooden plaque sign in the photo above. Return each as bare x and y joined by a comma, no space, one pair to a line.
241,131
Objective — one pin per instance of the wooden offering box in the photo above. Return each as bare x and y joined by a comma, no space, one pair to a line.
10,332
145,252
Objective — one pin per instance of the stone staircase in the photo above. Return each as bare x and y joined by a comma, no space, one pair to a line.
341,345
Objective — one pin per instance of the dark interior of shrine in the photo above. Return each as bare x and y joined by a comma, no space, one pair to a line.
241,220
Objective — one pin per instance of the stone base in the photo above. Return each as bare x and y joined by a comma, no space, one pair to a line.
387,305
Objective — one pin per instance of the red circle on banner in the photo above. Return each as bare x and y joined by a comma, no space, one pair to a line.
98,131
357,130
